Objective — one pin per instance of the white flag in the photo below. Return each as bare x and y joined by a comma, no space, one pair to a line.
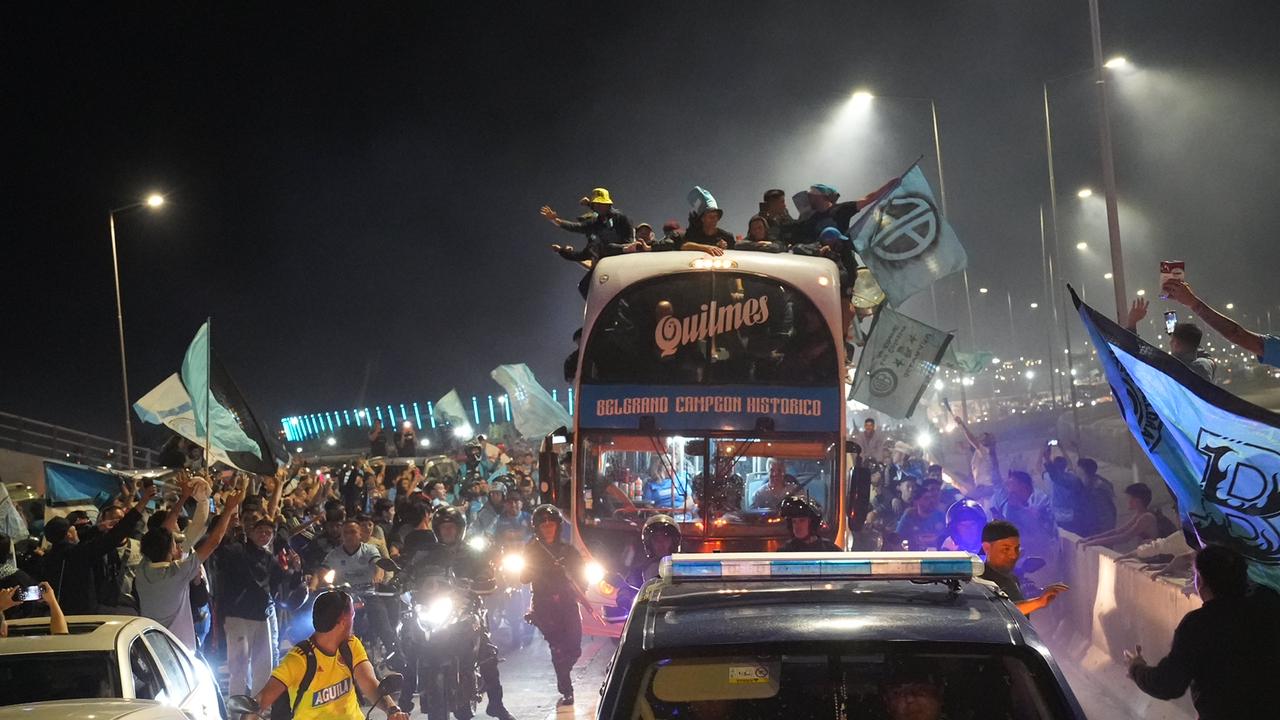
535,413
897,363
169,404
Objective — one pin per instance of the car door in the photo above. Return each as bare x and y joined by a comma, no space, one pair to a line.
146,681
203,698
177,679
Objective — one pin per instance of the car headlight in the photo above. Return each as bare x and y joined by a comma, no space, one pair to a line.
435,614
513,563
593,572
479,543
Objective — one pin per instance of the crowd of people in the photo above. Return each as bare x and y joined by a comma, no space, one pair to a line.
232,563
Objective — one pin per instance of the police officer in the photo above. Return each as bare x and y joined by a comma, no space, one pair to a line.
660,537
453,553
803,519
553,566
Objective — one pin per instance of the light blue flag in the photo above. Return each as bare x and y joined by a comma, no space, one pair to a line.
449,409
897,363
227,434
535,413
903,238
1219,454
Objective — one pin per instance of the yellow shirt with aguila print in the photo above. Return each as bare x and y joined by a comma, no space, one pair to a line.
332,693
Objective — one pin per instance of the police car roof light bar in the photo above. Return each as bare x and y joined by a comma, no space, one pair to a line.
687,567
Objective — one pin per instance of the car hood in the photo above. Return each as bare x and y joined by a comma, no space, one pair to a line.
91,709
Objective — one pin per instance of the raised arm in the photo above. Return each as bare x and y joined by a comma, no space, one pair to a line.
57,621
1179,291
200,518
205,550
187,488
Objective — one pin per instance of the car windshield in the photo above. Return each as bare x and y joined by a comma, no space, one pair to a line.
630,476
849,683
32,677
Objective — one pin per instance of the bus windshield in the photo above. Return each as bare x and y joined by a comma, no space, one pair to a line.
715,487
711,328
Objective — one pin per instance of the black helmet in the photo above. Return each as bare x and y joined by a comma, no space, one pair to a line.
545,512
446,514
660,525
799,506
794,506
962,510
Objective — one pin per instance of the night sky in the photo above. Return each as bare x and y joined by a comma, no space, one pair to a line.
353,188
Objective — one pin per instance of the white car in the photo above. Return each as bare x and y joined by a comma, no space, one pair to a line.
92,710
105,656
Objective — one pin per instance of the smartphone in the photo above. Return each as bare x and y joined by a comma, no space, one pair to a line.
1171,270
213,506
1170,321
29,593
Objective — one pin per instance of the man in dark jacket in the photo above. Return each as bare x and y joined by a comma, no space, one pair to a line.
1225,651
250,578
608,232
69,564
112,574
704,232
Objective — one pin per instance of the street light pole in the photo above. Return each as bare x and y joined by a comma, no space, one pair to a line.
1108,167
153,201
942,193
124,368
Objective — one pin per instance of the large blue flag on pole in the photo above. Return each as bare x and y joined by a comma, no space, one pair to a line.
903,237
1219,454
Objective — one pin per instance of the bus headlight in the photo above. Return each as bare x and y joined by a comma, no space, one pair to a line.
593,572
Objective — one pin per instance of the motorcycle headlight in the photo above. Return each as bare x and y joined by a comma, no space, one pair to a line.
513,563
435,614
593,572
328,577
479,543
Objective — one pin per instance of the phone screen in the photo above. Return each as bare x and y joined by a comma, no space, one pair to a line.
29,593
1170,321
213,506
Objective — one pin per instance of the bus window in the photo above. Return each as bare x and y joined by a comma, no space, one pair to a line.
713,487
711,328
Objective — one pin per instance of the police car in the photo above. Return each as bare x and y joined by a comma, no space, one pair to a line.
892,635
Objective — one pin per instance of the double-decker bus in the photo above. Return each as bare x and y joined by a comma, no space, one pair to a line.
699,377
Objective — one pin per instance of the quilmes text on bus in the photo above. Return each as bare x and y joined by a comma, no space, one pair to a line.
707,389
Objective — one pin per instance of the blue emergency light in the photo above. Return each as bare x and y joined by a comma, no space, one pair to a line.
705,567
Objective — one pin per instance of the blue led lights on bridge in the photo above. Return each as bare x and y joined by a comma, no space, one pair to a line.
324,424
825,566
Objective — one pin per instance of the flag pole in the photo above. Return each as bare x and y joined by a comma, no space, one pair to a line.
208,397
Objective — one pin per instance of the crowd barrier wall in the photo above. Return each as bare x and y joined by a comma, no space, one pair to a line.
1113,606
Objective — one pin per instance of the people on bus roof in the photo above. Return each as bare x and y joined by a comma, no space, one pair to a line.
607,230
704,232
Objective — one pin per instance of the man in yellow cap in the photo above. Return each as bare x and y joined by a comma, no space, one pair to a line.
608,233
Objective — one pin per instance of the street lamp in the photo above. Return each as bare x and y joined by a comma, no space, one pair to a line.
1083,193
1084,246
1108,160
982,290
1231,306
1141,293
153,201
1106,276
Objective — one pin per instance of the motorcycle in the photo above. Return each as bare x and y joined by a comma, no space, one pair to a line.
443,625
243,705
300,628
510,603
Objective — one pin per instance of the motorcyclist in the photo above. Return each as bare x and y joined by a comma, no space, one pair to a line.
451,552
354,563
965,520
804,519
553,567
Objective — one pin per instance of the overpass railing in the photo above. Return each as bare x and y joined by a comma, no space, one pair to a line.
35,437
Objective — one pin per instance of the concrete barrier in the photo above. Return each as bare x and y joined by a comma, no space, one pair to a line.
1113,606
